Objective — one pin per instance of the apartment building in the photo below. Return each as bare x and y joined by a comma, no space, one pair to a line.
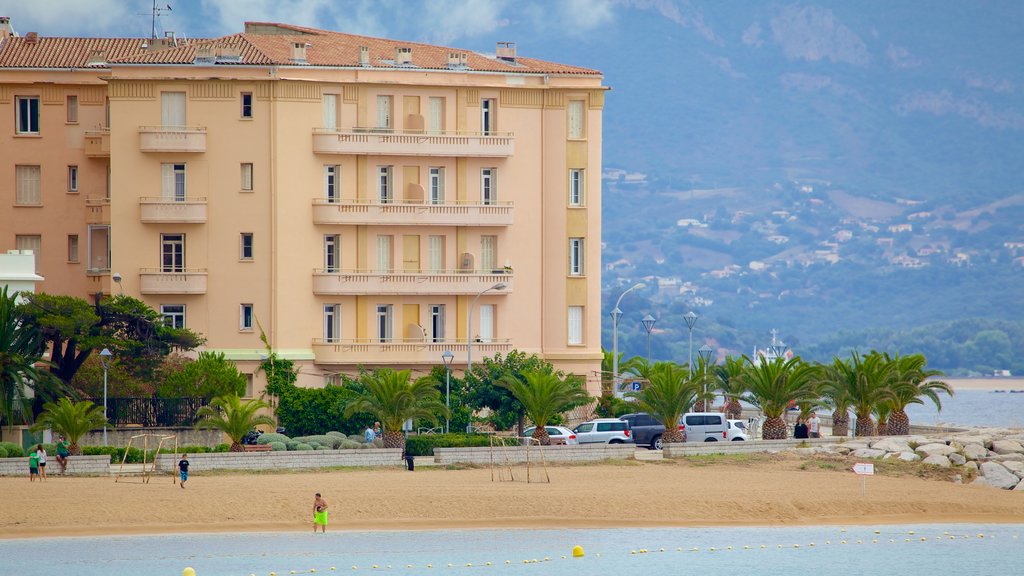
361,201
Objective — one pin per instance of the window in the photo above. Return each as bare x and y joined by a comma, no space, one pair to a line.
72,247
173,182
384,254
27,192
246,104
330,111
575,113
174,315
27,111
248,386
72,178
576,256
332,322
487,110
488,185
384,320
384,112
436,183
488,253
246,176
435,254
172,109
245,317
107,190
98,244
332,257
332,190
72,106
33,242
575,325
575,187
486,323
435,115
384,191
245,248
172,252
437,315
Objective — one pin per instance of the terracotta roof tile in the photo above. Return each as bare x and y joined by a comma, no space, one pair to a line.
47,52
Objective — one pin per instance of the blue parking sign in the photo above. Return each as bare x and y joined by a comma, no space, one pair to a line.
635,386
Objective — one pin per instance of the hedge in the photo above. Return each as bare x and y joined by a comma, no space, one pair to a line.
424,444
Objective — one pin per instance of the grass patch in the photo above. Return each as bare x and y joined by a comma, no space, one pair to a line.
733,459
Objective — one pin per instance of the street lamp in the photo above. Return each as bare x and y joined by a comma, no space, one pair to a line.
447,357
104,357
469,325
705,353
690,319
615,335
648,323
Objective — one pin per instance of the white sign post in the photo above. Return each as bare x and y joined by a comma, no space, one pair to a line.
864,469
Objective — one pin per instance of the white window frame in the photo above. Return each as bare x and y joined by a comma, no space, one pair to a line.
385,184
435,184
435,253
332,253
332,183
577,181
172,247
385,253
245,317
26,112
576,257
574,319
438,314
73,248
488,115
28,185
488,253
72,179
245,246
576,118
246,110
172,313
332,323
174,183
488,186
385,322
246,176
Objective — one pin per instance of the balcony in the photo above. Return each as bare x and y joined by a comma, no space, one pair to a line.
97,210
172,139
166,211
97,143
187,281
386,142
348,211
445,282
398,351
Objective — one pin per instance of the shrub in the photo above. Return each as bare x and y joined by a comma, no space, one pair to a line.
315,445
222,448
291,444
423,445
321,448
12,450
278,446
350,444
322,440
3,452
377,443
336,434
357,437
271,437
117,454
209,376
302,446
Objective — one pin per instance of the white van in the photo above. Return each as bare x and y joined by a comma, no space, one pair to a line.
705,427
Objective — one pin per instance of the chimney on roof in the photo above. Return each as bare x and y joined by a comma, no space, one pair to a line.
364,55
403,56
5,28
169,38
299,52
32,38
506,51
96,58
457,59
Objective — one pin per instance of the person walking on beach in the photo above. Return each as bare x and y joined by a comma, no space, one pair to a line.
814,425
62,453
369,434
800,430
41,452
319,513
183,469
33,466
410,463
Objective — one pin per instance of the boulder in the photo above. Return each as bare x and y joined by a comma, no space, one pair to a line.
975,451
1008,457
938,460
971,465
890,445
1007,447
857,444
935,449
977,439
867,453
998,476
957,459
909,456
1015,467
840,449
1020,487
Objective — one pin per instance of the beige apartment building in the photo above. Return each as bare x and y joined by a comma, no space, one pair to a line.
364,202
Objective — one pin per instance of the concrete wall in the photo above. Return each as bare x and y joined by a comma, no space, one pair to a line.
518,454
701,448
285,460
186,437
77,466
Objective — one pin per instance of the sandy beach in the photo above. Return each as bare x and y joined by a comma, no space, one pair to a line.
766,490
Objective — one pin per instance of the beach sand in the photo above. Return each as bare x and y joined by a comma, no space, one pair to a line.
766,490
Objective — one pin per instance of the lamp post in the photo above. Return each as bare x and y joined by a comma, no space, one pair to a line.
690,319
469,325
648,323
447,357
615,335
104,356
705,353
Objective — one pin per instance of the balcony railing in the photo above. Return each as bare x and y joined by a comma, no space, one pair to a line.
97,143
172,138
399,351
187,281
350,211
383,142
167,211
444,282
97,210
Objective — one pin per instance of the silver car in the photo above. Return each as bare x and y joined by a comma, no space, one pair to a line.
604,431
558,434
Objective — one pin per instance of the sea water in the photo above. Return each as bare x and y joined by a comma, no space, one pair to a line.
918,550
972,408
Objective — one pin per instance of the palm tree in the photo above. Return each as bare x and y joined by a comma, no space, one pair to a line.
21,348
835,389
668,395
392,399
882,411
731,385
543,396
233,417
773,386
72,419
911,383
867,387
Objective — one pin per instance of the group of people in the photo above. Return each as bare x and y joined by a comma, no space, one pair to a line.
37,460
372,433
811,428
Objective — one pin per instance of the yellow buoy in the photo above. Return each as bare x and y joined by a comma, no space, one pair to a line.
746,547
796,545
712,549
763,546
911,532
188,571
878,531
811,544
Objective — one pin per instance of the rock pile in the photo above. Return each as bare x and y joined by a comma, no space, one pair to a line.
996,455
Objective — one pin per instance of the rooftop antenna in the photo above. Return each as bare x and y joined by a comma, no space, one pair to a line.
157,10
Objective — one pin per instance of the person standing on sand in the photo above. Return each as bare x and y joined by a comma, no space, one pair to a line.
42,461
183,469
319,513
814,425
62,454
33,466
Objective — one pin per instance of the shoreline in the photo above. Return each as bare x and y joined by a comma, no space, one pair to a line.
990,384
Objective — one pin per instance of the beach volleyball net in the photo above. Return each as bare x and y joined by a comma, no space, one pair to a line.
149,461
517,459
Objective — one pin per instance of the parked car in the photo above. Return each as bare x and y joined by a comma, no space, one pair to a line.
645,429
738,431
604,431
558,434
705,427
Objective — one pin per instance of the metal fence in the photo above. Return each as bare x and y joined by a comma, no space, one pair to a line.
151,412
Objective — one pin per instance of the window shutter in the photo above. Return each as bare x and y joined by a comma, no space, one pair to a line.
575,112
28,191
331,111
575,325
486,322
172,108
167,181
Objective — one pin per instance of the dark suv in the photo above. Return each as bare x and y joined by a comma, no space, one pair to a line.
646,430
